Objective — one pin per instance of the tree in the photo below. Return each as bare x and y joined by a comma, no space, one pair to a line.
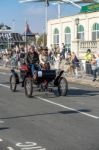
42,40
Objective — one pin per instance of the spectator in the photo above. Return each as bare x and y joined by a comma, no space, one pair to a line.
75,63
69,64
94,67
88,57
97,60
63,51
57,61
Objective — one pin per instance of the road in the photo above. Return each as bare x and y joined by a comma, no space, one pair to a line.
49,122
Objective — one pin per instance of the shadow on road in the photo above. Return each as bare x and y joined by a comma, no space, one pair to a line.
4,128
49,113
81,92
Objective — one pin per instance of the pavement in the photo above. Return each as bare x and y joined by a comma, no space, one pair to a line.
85,80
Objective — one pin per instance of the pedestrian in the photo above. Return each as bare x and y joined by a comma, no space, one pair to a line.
97,60
94,67
57,61
88,58
75,62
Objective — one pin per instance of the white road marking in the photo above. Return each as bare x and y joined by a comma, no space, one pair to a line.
69,108
4,85
74,88
29,145
1,140
10,148
1,121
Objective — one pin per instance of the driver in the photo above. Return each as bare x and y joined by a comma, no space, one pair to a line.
32,58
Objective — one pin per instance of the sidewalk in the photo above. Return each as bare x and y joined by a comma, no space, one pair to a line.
84,81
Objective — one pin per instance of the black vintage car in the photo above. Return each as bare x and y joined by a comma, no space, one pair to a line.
45,80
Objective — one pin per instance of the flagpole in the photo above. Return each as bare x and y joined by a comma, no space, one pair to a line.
25,32
46,15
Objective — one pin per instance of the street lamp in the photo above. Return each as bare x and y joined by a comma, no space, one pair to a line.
77,23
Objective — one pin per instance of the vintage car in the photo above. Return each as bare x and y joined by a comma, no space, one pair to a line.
45,80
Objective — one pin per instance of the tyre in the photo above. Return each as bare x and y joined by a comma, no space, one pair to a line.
13,83
28,87
62,87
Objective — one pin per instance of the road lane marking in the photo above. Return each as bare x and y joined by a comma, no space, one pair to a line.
29,145
10,148
74,88
4,85
1,121
69,108
1,140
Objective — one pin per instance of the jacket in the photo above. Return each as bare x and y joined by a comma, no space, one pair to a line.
31,58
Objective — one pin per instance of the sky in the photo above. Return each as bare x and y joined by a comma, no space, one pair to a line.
15,14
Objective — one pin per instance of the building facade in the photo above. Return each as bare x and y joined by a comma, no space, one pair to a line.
8,38
78,32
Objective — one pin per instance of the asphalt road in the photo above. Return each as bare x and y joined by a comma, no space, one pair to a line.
47,121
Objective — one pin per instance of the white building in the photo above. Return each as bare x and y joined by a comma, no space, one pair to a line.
78,32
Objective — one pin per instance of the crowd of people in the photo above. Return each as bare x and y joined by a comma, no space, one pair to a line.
54,56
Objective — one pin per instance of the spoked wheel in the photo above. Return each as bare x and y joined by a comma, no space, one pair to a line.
63,87
28,87
13,83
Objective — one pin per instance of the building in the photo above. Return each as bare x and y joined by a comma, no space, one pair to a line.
28,36
8,38
78,32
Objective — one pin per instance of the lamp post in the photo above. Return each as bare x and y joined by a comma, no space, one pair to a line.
77,23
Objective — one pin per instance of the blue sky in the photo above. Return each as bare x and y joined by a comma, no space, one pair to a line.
14,13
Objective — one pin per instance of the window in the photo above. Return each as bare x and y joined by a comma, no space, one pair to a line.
95,31
56,36
80,32
67,38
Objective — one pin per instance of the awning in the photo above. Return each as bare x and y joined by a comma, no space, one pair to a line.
11,38
90,8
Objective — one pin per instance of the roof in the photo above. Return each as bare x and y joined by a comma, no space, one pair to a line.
90,8
11,37
4,27
28,31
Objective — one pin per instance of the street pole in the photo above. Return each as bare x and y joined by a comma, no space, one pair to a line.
59,17
46,19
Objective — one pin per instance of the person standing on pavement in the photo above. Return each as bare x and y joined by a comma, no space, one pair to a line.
88,58
94,67
75,62
97,60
